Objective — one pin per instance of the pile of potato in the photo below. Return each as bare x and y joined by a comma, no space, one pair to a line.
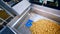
44,26
3,14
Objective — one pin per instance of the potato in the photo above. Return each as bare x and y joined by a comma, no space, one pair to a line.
45,26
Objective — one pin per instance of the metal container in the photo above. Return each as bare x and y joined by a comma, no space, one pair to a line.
18,24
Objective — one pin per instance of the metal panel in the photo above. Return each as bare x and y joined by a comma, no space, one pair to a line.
47,12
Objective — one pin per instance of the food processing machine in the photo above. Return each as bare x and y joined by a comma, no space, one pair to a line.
20,13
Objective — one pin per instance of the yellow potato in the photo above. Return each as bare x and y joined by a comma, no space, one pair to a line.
45,26
3,14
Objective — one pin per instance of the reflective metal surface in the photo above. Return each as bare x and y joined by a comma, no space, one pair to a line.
18,24
47,12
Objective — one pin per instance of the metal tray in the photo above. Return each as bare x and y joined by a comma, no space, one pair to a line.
37,13
19,25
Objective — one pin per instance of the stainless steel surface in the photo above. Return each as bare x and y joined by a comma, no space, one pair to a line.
18,18
19,21
21,28
47,12
21,6
46,9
